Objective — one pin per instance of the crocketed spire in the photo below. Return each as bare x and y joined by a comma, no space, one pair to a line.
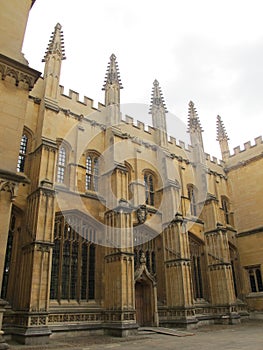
56,44
157,99
221,131
112,74
194,124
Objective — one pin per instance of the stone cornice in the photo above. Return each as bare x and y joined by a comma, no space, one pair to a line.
250,232
242,163
10,176
22,74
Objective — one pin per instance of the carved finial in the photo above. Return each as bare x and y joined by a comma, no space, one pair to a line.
56,44
112,74
221,131
193,120
157,99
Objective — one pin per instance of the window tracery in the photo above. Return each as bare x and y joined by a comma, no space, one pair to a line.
73,262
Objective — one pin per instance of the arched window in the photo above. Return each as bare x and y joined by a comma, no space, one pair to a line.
73,263
192,195
22,154
149,188
61,167
225,207
92,172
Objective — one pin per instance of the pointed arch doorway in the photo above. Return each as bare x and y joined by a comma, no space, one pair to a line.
145,297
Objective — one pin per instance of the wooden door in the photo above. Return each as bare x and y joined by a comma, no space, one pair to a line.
143,304
139,303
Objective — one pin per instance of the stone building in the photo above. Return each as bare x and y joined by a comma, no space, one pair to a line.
107,226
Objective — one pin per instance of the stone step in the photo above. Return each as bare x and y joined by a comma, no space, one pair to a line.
167,331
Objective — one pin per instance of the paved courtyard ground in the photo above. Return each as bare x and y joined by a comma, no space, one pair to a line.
247,336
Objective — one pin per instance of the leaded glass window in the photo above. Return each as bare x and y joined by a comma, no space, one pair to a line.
61,169
255,279
92,172
73,262
22,154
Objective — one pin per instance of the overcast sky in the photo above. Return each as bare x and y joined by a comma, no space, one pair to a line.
210,52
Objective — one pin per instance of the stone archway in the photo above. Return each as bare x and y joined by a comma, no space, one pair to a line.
145,296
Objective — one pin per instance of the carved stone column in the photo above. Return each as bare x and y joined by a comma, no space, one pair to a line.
220,275
119,273
34,283
179,294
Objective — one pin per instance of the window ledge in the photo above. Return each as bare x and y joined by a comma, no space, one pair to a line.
255,295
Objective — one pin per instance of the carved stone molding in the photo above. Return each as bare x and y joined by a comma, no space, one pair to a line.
24,76
9,186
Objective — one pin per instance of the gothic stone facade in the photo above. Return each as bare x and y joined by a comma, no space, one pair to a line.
106,226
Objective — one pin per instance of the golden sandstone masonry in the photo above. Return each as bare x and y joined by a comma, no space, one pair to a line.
106,226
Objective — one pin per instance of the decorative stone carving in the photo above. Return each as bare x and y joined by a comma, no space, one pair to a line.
142,213
24,76
9,186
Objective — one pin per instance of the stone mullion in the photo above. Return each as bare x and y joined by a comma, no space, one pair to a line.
88,269
70,265
61,249
194,276
78,289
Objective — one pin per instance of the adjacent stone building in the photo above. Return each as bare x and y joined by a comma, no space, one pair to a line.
107,226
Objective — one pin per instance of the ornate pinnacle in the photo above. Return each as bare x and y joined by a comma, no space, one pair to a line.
112,74
56,44
221,131
193,119
157,99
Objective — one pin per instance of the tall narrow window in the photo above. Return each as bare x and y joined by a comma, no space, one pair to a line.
55,270
255,279
88,172
192,198
61,165
149,188
22,154
153,263
91,293
225,207
234,277
8,256
196,249
92,172
73,263
235,268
